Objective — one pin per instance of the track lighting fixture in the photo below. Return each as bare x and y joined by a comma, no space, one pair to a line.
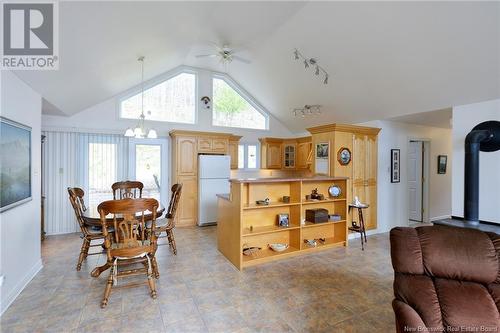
307,111
311,62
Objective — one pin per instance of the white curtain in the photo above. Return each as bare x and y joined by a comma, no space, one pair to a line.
66,161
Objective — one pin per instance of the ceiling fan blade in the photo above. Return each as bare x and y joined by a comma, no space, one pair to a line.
246,61
206,55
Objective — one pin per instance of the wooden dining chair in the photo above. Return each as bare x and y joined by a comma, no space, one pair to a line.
76,195
127,189
132,242
167,223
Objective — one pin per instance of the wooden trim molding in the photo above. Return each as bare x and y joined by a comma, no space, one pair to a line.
197,133
344,128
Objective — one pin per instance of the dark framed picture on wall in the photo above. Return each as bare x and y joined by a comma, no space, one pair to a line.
395,165
15,164
442,161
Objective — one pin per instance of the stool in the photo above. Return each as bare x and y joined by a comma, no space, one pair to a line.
361,227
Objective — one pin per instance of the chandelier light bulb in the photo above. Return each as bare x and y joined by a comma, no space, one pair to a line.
129,132
152,134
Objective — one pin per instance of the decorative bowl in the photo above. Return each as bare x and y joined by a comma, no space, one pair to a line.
278,247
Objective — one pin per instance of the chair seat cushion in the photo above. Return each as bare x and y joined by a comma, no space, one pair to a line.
130,244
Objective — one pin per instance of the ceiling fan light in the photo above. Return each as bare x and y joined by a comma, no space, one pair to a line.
152,134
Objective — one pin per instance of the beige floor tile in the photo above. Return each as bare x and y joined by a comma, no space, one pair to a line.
338,290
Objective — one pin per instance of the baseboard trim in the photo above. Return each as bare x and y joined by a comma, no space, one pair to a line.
439,218
11,297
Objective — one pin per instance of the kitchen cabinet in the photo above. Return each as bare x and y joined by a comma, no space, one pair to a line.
289,155
361,170
270,153
186,145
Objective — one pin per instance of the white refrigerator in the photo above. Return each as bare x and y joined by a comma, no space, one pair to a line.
213,178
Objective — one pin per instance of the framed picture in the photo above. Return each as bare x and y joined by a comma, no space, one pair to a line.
15,164
395,165
442,161
322,160
322,150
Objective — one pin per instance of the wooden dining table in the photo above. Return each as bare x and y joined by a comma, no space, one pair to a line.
92,218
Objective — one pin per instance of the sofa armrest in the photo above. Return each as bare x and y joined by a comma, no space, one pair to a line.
407,319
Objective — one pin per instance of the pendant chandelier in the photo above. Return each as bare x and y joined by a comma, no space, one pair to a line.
140,130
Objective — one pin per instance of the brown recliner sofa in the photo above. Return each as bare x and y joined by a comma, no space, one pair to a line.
446,279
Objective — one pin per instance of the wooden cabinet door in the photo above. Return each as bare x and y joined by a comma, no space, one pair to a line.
187,215
358,160
370,214
274,155
371,159
233,153
204,144
289,156
187,163
219,145
302,154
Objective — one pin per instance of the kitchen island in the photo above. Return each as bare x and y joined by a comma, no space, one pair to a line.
242,223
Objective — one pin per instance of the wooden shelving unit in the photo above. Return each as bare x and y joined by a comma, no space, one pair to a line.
242,223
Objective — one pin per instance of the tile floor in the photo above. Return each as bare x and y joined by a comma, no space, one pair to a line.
336,290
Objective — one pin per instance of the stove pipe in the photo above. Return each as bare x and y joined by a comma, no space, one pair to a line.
483,137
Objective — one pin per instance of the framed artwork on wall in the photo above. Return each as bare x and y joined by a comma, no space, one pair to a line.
15,164
322,158
442,161
395,165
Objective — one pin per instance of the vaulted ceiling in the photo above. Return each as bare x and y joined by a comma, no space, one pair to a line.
386,59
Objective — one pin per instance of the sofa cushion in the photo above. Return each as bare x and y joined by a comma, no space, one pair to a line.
406,254
466,304
458,254
418,292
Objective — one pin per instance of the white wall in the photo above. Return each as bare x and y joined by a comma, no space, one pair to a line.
104,118
465,117
393,197
20,226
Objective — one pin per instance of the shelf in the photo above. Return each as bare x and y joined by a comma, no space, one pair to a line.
267,255
329,242
272,205
267,230
312,225
310,202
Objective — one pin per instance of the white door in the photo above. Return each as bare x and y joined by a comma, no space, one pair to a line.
148,164
415,180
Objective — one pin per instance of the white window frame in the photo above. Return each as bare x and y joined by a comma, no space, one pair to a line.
246,96
154,82
245,155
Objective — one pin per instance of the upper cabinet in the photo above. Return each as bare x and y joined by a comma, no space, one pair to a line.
289,155
207,144
285,154
270,153
304,153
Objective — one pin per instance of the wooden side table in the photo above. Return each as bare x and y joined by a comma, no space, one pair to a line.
361,227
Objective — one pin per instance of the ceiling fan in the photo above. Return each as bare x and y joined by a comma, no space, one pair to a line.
225,54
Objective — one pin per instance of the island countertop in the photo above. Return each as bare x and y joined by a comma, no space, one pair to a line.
287,179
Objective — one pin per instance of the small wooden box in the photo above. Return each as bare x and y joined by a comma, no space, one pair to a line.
318,215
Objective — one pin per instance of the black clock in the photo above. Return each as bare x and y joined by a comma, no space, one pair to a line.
344,156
